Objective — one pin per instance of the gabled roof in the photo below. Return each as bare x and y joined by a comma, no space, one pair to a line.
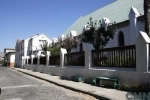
117,11
37,35
31,37
134,10
40,35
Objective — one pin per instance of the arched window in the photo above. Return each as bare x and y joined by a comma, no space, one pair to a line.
121,39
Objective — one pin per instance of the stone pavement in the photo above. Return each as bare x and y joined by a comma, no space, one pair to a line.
98,92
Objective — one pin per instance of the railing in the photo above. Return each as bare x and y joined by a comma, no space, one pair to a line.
54,60
75,59
43,60
34,60
29,61
115,57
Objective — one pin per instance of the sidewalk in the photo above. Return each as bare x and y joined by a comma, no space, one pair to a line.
98,92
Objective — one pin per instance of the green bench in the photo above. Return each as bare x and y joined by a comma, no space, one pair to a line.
77,78
90,81
114,80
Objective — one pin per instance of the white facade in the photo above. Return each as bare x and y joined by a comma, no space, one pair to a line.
30,46
130,29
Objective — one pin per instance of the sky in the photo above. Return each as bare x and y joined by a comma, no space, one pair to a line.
20,19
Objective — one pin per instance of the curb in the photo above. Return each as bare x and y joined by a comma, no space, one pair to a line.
101,97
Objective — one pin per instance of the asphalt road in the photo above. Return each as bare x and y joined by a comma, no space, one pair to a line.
18,86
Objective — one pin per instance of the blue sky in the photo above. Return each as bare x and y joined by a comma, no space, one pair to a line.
20,19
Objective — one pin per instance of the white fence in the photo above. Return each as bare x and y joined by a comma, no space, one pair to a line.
140,73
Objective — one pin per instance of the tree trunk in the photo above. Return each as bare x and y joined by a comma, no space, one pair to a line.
147,16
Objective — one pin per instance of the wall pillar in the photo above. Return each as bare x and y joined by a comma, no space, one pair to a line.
142,52
38,59
88,58
32,56
133,15
27,59
23,58
73,34
62,53
47,58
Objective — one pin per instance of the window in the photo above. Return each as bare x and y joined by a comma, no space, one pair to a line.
42,42
81,48
121,39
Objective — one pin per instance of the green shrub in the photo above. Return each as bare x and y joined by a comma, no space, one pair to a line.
69,43
55,51
135,86
1,62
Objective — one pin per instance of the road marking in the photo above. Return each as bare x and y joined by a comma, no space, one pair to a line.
21,86
15,99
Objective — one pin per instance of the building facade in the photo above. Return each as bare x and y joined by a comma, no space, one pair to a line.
129,18
30,46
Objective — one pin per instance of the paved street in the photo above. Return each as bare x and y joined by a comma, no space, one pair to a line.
18,86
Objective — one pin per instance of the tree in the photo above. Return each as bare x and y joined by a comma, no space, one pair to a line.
54,48
69,43
45,46
98,34
147,16
1,61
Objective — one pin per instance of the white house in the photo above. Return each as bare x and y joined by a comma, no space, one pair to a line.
129,18
30,46
9,57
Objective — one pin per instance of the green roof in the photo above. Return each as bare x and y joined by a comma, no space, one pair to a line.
117,11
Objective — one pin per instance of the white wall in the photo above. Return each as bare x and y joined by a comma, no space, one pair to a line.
122,74
141,26
12,58
26,47
113,42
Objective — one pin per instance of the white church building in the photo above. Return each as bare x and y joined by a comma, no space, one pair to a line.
129,18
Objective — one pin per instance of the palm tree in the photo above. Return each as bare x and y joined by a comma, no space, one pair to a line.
147,16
